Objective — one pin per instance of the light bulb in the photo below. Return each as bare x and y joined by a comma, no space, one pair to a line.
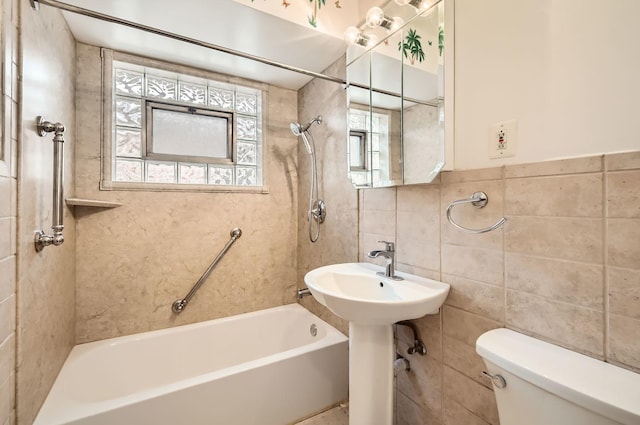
419,5
351,35
396,23
370,40
375,17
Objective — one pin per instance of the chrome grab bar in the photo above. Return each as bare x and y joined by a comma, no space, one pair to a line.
179,305
478,200
41,239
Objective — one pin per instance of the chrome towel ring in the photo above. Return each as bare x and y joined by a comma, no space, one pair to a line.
478,200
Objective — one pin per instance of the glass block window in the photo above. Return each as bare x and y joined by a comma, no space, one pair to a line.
178,129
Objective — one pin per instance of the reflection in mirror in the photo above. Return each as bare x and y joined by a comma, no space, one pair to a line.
403,111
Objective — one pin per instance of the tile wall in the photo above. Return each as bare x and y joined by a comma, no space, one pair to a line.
134,261
564,268
339,232
8,208
46,280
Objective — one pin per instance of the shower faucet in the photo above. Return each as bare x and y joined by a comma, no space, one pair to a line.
389,254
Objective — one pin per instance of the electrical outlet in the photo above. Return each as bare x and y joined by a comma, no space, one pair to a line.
502,139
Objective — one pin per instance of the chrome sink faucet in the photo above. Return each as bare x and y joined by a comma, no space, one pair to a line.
389,254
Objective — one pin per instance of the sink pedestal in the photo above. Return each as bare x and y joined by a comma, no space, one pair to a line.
371,356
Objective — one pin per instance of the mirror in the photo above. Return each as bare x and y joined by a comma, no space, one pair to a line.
396,101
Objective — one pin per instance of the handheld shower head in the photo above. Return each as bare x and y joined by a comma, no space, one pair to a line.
299,130
296,128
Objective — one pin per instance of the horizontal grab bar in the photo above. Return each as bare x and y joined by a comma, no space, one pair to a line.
478,200
179,305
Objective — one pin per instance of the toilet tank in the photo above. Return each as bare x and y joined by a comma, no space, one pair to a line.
550,385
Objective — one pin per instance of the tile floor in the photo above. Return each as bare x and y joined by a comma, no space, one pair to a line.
336,416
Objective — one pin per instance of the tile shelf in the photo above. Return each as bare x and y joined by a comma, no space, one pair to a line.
79,202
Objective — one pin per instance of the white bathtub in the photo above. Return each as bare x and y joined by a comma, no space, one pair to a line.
258,368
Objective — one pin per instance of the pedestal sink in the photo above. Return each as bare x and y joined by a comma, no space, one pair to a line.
372,304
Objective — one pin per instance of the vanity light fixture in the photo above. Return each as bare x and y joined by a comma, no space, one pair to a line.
419,5
353,35
377,18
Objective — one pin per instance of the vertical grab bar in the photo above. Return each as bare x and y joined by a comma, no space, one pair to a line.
179,305
41,239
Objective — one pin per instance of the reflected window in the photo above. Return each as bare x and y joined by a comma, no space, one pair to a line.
357,150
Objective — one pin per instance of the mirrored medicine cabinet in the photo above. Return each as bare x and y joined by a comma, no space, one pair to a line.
396,99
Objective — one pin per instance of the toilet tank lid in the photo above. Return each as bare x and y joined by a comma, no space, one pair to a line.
609,390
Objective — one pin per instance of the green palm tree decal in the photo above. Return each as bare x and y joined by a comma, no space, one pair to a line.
317,4
411,47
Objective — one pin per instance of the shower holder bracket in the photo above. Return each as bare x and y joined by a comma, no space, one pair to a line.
319,211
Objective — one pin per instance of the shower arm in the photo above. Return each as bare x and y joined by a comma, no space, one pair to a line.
41,239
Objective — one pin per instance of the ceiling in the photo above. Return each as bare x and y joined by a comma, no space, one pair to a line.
226,23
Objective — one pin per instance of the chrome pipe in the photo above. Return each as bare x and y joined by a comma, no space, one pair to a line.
418,345
303,292
179,305
41,239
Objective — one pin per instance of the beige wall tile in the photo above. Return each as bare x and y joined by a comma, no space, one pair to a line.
460,176
378,222
467,215
567,281
7,356
475,297
14,197
418,227
623,161
623,249
418,240
571,326
591,164
464,359
482,265
476,398
623,194
624,292
410,413
419,271
464,326
563,196
578,239
5,237
420,198
423,383
456,414
7,277
624,334
7,317
382,199
5,197
7,397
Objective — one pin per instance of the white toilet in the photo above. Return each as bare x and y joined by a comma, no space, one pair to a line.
537,383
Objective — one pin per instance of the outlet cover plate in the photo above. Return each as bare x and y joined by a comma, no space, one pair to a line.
503,137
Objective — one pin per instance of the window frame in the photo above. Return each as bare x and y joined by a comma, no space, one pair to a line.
107,128
147,132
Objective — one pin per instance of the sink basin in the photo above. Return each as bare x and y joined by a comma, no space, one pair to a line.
356,293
